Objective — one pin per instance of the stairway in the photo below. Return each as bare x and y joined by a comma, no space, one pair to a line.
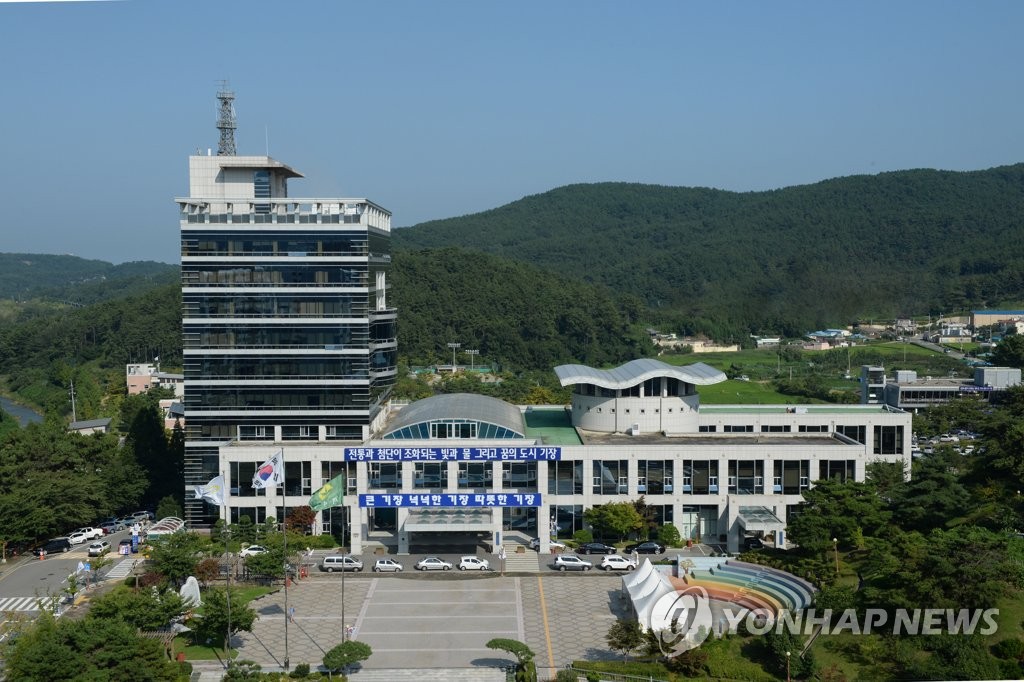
519,562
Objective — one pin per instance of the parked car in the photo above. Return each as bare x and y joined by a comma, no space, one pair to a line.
753,543
553,544
144,516
571,562
89,532
252,550
614,562
337,562
432,563
472,563
645,548
99,548
78,537
385,565
61,544
596,548
113,526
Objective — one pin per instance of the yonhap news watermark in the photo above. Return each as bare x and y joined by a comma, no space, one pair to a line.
684,619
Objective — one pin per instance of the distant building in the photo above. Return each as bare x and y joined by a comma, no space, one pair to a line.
90,426
908,392
140,377
985,318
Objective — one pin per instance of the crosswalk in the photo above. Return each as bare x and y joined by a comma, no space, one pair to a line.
19,604
120,569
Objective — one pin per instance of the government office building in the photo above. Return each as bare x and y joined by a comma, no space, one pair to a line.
290,347
288,337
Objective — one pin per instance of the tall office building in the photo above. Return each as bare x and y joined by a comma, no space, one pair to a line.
288,338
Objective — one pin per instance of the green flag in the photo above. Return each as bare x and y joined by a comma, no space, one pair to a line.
330,494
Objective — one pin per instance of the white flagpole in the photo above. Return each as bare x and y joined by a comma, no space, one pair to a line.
227,554
284,530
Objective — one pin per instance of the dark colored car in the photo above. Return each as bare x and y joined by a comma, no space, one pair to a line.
54,546
753,543
646,548
596,548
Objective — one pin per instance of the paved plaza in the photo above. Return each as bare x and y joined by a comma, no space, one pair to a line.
438,621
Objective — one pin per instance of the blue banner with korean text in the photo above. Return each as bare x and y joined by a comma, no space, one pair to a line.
450,500
445,454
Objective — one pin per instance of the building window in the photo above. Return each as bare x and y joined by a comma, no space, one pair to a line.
791,477
700,477
813,428
738,428
611,477
708,428
746,477
775,428
476,475
430,475
565,478
519,474
857,433
840,470
888,440
385,474
328,470
297,478
654,477
241,474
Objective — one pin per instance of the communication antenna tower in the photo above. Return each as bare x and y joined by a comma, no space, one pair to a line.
226,121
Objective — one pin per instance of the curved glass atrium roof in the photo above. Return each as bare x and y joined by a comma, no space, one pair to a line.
457,415
638,371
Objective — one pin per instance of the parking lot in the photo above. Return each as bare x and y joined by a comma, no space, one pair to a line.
439,620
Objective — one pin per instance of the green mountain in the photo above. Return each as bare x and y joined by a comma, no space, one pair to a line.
785,260
77,281
515,314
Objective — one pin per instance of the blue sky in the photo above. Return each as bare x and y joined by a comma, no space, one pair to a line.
438,109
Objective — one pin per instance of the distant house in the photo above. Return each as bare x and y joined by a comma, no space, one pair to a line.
90,426
140,377
766,342
984,318
173,411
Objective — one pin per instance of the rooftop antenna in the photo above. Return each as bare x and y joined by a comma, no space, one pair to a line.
226,121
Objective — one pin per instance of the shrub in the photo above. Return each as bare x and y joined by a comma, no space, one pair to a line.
583,535
301,670
566,676
1010,649
669,536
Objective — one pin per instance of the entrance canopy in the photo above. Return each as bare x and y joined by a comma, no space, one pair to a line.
759,519
455,519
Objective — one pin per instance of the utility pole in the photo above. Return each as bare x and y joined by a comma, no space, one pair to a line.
74,413
472,354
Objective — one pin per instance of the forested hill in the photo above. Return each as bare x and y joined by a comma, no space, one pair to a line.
77,280
789,259
513,313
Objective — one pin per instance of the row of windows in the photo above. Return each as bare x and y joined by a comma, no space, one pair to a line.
277,336
276,305
269,244
659,387
254,398
248,367
445,429
276,275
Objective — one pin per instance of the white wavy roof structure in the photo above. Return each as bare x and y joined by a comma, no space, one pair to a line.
638,371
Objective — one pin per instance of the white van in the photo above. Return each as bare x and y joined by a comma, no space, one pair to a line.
337,562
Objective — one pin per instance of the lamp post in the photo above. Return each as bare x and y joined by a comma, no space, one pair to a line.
787,666
471,354
835,548
454,347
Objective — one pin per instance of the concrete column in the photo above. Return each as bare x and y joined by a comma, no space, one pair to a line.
358,522
403,536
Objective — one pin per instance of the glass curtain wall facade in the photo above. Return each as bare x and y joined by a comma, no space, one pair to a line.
287,332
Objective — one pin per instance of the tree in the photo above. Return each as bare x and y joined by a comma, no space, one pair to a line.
211,623
841,510
300,519
625,636
168,506
87,649
346,654
177,554
669,536
521,651
1009,352
143,609
615,519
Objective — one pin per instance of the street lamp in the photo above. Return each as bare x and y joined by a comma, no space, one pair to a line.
835,548
471,354
454,347
787,666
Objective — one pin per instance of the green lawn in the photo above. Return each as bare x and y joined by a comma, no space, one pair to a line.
194,652
734,392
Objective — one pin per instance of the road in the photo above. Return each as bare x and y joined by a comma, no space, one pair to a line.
25,580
